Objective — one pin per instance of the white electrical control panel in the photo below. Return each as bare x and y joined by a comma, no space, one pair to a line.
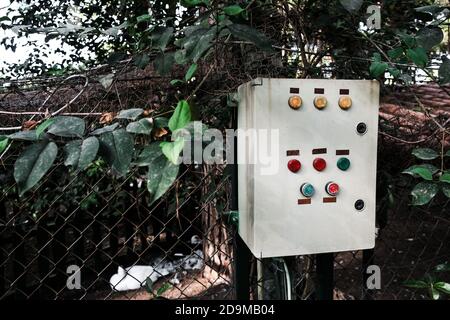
307,152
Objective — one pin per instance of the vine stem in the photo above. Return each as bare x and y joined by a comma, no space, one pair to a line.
379,49
442,150
38,113
408,142
11,128
6,150
60,110
86,83
201,83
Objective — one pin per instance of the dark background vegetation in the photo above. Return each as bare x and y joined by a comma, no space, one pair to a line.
199,52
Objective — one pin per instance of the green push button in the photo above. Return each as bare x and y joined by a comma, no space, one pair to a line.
343,164
307,190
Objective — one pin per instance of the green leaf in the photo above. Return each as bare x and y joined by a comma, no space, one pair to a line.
429,37
191,71
181,116
44,125
67,127
376,57
425,153
176,82
418,56
420,171
172,149
148,154
3,143
89,202
445,177
407,39
377,69
106,80
161,122
416,284
423,192
193,130
26,135
130,114
193,3
143,126
443,287
164,62
166,286
117,149
143,18
394,72
233,10
161,36
351,5
196,42
414,170
180,57
33,164
161,174
443,267
395,53
79,154
88,153
72,153
105,129
141,60
434,293
431,9
447,154
247,33
446,190
202,45
149,285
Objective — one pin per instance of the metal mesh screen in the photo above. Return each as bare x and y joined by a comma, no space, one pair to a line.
99,223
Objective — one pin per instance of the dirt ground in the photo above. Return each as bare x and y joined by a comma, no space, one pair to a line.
192,286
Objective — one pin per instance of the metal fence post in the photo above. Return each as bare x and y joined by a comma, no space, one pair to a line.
242,254
325,273
242,270
367,294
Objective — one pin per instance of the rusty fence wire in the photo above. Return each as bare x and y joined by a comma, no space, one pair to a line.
181,247
101,229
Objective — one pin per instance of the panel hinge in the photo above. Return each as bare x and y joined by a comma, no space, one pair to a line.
257,82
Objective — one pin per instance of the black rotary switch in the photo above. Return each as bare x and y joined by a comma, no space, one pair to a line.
361,128
359,204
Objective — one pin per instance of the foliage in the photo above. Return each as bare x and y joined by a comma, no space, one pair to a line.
165,32
115,144
197,37
436,288
434,179
159,292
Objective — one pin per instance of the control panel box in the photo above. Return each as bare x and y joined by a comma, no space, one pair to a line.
307,153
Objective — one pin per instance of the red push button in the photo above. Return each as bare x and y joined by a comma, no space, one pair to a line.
332,188
319,164
294,165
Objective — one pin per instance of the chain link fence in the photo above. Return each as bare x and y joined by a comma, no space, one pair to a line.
106,227
90,235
